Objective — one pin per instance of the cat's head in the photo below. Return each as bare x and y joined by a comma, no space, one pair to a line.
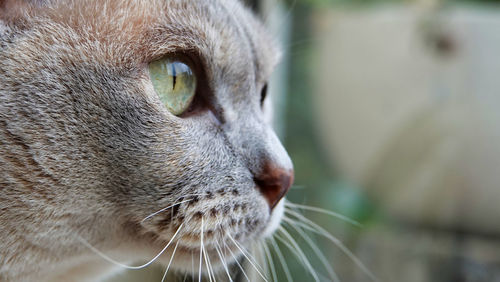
113,155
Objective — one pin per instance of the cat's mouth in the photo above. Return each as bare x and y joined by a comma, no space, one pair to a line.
219,240
213,217
212,227
216,233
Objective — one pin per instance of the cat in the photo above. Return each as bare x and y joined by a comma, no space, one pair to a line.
130,127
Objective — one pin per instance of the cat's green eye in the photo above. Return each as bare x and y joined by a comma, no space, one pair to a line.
174,82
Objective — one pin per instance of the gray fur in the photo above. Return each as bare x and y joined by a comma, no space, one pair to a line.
87,150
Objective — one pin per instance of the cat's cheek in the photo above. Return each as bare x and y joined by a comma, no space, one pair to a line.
275,219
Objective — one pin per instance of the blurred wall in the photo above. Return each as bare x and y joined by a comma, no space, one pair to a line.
408,105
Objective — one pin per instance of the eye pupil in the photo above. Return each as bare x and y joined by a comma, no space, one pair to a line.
174,76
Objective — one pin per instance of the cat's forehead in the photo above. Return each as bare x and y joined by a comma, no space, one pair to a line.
223,33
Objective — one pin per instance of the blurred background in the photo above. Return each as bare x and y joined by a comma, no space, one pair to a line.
390,111
392,119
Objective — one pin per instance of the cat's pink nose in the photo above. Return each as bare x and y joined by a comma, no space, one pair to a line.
273,183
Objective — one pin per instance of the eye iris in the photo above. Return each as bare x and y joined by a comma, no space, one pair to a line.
174,82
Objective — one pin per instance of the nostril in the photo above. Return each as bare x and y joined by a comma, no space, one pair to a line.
274,183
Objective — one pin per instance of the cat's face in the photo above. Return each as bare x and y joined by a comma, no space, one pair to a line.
77,90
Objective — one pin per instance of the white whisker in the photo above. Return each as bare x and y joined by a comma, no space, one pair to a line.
310,225
205,255
105,257
201,251
210,267
171,258
248,253
249,260
237,262
282,259
270,261
164,209
315,249
323,211
258,250
298,251
251,257
223,260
